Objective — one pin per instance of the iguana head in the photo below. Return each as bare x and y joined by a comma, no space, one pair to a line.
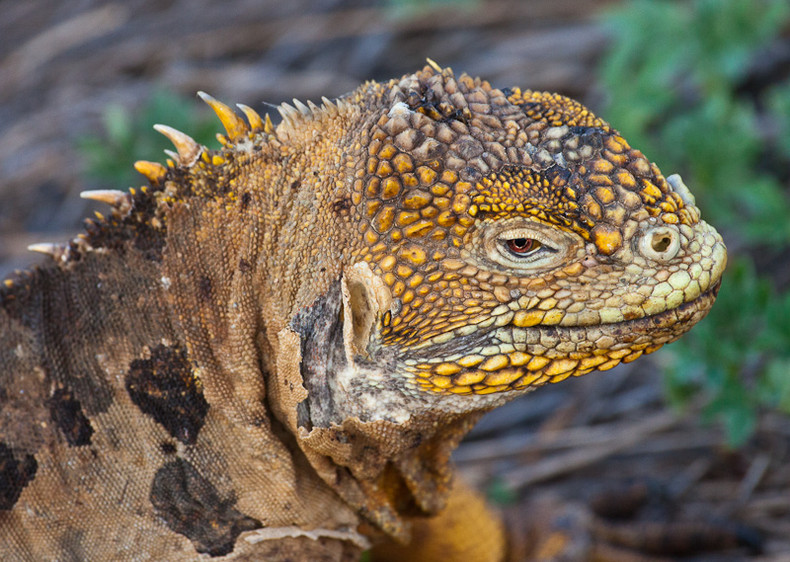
518,239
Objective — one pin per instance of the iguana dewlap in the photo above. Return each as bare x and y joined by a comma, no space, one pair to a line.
271,350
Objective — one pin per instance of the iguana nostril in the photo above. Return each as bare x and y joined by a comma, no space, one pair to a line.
660,243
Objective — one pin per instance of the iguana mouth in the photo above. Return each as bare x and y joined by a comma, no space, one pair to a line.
497,359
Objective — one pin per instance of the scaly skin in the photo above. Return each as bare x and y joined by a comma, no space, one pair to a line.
600,286
284,339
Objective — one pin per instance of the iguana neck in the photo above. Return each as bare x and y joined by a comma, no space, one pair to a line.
389,450
303,188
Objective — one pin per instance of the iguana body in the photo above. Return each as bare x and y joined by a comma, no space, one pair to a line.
271,351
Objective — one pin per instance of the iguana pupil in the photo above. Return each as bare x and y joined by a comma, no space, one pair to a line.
522,246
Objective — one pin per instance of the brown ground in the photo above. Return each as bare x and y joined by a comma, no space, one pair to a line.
596,468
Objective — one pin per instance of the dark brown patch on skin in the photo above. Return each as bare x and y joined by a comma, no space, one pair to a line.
167,447
14,476
341,206
137,227
66,412
14,298
592,134
245,201
165,388
555,172
71,546
191,506
204,288
51,305
244,266
429,103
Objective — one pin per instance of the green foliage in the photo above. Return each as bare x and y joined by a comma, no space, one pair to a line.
407,9
128,138
676,73
500,493
740,355
779,102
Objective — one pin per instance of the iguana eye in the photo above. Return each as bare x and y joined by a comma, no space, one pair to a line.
522,246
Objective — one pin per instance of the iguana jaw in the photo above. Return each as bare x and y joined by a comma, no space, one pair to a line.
502,363
512,359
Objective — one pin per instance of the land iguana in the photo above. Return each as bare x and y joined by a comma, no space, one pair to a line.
271,350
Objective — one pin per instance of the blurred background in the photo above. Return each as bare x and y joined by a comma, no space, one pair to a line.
684,455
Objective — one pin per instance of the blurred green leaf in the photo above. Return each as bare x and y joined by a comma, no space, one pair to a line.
739,356
109,157
406,9
499,493
675,74
779,101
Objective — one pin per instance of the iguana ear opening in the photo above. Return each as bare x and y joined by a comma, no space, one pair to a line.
365,297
